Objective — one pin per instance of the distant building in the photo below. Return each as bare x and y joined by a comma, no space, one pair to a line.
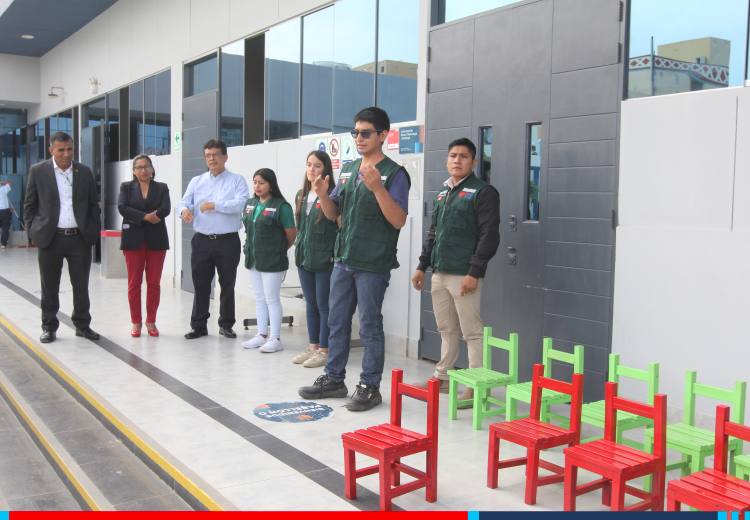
699,64
402,69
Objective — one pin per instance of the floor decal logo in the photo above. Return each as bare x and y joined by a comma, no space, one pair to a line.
293,411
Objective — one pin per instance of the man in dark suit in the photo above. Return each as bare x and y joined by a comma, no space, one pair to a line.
61,214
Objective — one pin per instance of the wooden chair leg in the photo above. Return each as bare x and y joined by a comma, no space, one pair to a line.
431,470
607,494
478,408
659,480
350,470
511,410
618,494
452,399
687,460
492,460
543,413
385,485
395,474
571,483
648,480
532,474
673,505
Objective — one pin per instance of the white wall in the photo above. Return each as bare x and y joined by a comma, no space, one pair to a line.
20,84
123,45
682,272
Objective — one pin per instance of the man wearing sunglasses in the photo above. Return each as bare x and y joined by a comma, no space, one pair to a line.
371,197
61,214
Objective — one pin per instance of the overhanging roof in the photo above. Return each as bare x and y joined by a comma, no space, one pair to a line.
50,22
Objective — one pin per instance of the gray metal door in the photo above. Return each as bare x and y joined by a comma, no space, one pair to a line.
201,113
553,63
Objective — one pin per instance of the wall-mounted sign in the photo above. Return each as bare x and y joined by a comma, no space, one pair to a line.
177,146
411,139
392,139
322,145
293,411
348,149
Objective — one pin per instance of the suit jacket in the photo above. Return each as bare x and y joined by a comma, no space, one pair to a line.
41,208
133,207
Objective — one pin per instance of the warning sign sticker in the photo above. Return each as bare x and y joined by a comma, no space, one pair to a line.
293,411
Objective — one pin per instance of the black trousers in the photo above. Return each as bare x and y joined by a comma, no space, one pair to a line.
78,255
221,255
6,222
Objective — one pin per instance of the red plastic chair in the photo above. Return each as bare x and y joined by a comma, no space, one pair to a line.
536,435
617,463
714,489
389,442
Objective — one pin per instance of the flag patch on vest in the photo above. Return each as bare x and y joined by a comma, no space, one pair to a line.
442,194
465,195
249,209
270,212
317,205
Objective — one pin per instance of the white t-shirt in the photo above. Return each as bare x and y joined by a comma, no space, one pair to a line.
4,190
311,198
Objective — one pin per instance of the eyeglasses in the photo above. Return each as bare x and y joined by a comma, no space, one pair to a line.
143,168
212,155
365,133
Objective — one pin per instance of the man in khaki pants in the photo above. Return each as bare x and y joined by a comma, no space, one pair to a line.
463,237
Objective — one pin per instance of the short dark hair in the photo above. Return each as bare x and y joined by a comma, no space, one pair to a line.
377,117
463,141
216,143
144,156
59,137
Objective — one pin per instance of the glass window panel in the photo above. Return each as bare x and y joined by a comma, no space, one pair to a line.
136,118
485,154
455,9
398,49
232,92
20,151
163,119
697,45
149,127
93,113
282,80
535,168
113,125
317,71
65,122
36,146
201,76
354,54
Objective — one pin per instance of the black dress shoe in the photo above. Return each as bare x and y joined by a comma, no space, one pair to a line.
196,333
227,332
48,336
87,333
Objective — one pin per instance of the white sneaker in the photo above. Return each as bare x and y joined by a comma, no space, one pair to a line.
318,359
257,341
301,358
272,345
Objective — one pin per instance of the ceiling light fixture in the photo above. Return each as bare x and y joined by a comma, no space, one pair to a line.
27,36
52,94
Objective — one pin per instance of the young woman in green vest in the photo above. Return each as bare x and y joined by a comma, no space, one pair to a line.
270,231
313,254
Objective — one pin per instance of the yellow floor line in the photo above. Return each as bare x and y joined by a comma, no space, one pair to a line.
173,472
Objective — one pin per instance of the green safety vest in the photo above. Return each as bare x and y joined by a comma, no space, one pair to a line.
265,245
314,246
456,233
367,241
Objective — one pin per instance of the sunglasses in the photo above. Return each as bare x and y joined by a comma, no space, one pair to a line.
365,133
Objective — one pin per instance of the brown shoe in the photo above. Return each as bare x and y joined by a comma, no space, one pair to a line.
468,394
443,385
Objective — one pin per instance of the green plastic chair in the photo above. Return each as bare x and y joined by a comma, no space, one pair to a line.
522,391
484,379
743,466
594,413
695,443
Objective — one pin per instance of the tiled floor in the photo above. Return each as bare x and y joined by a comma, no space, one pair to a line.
257,464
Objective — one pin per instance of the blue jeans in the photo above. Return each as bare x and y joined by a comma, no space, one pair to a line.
316,288
350,290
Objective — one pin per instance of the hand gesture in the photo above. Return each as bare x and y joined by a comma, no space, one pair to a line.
418,280
187,216
371,178
469,285
320,186
207,206
151,217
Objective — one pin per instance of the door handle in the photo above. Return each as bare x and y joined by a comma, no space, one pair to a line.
512,225
511,255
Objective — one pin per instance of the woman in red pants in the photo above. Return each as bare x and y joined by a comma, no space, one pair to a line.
143,204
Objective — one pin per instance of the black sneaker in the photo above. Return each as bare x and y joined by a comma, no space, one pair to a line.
364,398
324,387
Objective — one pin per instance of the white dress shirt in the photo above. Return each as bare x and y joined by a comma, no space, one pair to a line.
65,189
227,190
4,190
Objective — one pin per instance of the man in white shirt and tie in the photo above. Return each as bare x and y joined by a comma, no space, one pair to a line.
61,214
6,215
213,202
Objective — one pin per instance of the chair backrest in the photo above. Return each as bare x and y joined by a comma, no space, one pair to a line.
511,346
548,354
657,412
650,376
574,390
430,396
725,428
